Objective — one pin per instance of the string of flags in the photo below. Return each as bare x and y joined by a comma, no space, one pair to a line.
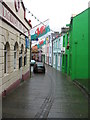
41,43
40,31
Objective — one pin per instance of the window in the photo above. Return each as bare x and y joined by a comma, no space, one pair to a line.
59,60
20,57
50,49
56,44
59,44
54,58
64,41
15,56
20,62
25,57
5,59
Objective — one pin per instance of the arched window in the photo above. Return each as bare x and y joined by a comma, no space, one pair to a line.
25,57
6,57
15,55
20,56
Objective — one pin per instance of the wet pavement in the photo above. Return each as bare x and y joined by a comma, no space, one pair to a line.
49,95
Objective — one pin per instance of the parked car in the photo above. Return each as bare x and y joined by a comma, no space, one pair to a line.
39,67
32,62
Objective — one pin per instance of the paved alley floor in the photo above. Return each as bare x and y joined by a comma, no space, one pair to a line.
49,95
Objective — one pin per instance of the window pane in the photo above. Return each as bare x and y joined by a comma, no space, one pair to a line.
14,60
20,62
25,61
5,54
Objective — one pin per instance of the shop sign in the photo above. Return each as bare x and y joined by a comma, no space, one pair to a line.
9,17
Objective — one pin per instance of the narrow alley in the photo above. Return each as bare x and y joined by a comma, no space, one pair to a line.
49,95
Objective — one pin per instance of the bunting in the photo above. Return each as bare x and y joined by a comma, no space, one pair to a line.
39,31
41,43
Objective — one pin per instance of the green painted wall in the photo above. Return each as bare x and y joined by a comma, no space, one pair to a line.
80,46
79,49
89,49
78,54
65,57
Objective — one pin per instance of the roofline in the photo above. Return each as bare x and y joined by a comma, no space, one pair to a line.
81,12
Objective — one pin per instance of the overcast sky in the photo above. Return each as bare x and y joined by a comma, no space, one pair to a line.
58,11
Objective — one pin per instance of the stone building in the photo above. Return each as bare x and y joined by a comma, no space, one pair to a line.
14,45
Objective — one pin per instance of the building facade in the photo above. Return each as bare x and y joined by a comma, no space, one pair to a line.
65,55
43,53
56,53
14,45
40,54
47,50
50,50
61,51
35,53
79,49
75,59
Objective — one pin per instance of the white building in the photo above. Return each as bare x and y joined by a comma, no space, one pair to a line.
50,50
43,53
14,45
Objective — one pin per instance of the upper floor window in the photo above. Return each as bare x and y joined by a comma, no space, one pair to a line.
15,55
56,44
63,41
25,57
50,49
59,43
20,56
6,57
